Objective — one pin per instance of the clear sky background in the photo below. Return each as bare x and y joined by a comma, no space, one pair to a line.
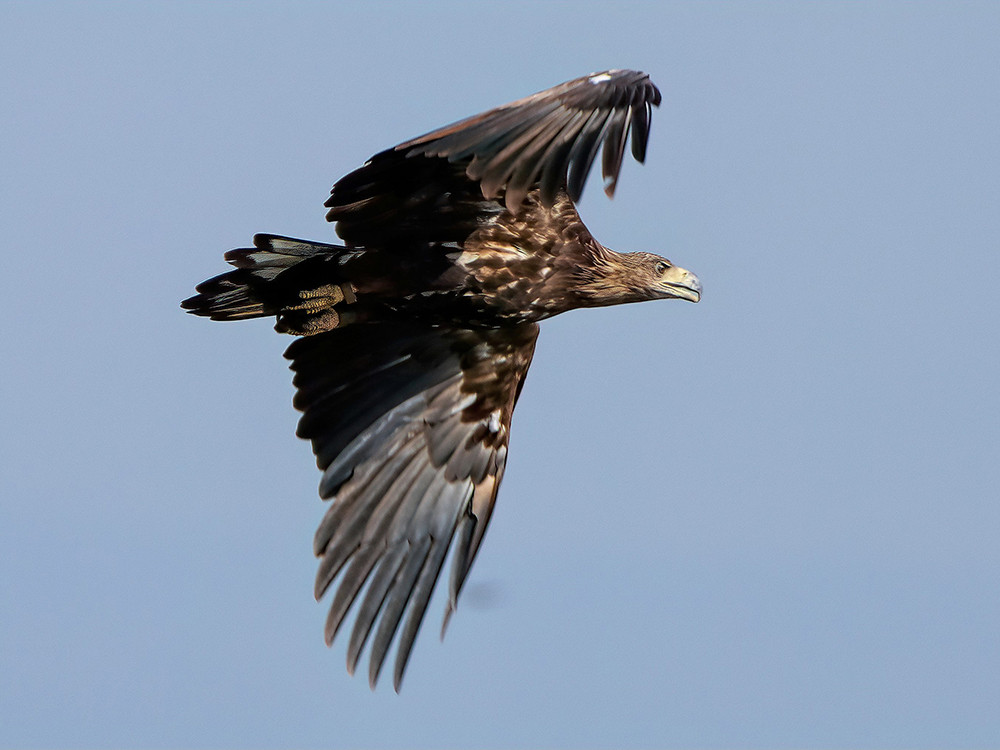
769,519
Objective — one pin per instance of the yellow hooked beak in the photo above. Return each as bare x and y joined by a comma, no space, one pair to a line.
680,283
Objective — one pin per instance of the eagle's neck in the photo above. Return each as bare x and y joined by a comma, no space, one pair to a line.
604,277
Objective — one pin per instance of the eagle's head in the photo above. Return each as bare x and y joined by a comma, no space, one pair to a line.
616,278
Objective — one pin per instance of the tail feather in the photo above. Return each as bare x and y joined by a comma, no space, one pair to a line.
252,290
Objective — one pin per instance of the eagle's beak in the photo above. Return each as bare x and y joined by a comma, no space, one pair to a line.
682,284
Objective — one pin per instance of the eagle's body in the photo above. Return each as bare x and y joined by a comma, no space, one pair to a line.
419,330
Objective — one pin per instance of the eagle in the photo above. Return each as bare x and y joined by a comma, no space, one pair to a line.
415,334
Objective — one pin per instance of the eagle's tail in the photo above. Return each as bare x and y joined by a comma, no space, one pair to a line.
274,277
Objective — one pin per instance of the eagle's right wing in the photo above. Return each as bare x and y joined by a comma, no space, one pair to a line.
410,426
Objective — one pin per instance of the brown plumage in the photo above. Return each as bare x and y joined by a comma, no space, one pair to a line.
417,333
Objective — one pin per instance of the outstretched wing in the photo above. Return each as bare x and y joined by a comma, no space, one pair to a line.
438,187
410,426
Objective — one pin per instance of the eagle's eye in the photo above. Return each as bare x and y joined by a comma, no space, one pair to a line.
661,267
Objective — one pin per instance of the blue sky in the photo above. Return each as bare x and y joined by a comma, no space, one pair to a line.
769,519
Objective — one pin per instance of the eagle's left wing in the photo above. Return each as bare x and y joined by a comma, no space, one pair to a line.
551,137
435,190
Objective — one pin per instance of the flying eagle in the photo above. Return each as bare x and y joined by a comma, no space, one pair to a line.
417,332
